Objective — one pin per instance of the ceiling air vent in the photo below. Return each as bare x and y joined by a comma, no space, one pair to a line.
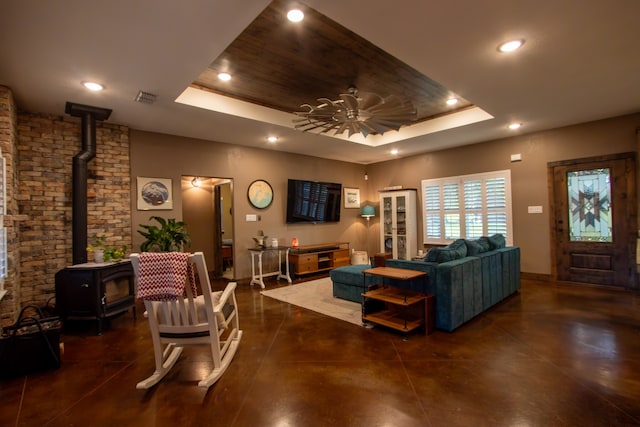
146,97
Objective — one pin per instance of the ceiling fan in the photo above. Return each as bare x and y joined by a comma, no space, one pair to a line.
356,112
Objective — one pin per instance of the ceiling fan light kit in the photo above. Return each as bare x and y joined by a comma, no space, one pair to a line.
356,112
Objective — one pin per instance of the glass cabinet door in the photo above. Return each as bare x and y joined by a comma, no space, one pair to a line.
398,223
387,206
401,227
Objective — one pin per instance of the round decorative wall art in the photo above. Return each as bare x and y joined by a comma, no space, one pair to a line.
154,193
260,194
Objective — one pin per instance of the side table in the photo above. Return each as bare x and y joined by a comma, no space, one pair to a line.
404,310
258,275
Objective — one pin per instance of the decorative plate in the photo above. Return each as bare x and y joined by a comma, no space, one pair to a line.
260,194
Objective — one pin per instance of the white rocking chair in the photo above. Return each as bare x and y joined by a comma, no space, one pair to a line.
209,319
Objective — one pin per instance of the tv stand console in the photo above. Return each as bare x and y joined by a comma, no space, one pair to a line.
310,259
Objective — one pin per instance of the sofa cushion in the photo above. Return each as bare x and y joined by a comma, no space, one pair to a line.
432,254
440,255
497,241
459,247
473,247
455,250
350,274
484,242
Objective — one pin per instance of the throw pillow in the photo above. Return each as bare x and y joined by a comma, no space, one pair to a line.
484,242
496,241
446,254
459,247
473,247
432,254
455,250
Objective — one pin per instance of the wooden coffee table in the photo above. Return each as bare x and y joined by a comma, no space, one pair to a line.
404,310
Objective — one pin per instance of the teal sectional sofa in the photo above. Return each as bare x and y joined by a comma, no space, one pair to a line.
467,277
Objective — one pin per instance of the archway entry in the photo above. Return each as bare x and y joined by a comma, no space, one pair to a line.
207,204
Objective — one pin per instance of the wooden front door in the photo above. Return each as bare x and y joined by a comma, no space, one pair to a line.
593,208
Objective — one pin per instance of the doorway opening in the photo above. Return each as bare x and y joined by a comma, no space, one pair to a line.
207,210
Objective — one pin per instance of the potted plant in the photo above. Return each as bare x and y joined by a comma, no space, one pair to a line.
115,254
170,236
97,248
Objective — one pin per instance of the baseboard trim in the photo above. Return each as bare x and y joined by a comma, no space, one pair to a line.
535,276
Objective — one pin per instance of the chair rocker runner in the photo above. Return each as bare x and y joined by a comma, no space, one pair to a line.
176,320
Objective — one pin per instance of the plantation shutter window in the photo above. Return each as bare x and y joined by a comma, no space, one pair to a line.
468,206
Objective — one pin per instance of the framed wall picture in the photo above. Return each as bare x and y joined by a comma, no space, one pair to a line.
154,193
351,198
260,194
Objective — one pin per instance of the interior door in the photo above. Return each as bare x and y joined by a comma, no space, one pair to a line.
594,220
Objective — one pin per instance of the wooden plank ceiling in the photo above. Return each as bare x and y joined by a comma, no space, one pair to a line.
282,65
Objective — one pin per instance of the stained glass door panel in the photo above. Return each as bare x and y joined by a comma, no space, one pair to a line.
590,205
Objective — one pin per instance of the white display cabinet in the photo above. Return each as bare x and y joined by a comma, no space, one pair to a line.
398,227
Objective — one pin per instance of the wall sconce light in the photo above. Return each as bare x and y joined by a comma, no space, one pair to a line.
196,182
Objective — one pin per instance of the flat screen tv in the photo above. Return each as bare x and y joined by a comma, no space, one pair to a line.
313,202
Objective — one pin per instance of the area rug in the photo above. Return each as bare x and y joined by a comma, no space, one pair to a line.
317,295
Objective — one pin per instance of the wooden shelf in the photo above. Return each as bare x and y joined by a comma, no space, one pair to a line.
404,309
310,259
395,320
395,296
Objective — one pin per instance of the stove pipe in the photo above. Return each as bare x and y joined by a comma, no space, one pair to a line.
88,115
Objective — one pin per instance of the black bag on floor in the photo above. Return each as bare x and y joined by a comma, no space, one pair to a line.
31,344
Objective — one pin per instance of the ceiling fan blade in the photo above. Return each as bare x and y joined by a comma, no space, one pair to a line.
350,102
369,100
327,103
367,129
316,125
354,127
330,126
387,124
342,128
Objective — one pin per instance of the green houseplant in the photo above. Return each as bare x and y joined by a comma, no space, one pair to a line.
115,254
170,236
103,253
97,248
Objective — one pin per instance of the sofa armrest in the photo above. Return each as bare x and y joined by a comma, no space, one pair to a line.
427,267
458,291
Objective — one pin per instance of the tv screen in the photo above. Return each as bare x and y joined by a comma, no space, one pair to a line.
313,202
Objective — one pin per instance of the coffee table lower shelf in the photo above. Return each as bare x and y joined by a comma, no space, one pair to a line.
403,310
394,320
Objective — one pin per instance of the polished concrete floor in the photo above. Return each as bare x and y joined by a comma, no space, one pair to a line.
548,356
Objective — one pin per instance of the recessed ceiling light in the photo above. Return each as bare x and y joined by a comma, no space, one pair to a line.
452,101
510,46
272,138
93,86
514,126
295,15
225,77
394,151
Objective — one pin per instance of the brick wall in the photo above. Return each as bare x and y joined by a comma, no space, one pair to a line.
45,148
8,143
